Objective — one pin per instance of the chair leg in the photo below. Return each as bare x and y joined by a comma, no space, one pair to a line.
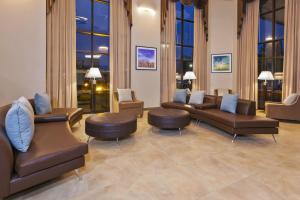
274,138
234,137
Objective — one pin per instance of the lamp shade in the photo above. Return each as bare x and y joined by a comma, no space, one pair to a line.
190,75
93,72
266,76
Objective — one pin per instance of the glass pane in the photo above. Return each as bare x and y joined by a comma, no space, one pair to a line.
279,24
260,50
83,42
279,48
279,3
178,10
101,45
269,64
268,50
178,52
265,28
188,38
178,32
187,53
187,66
261,65
266,6
101,17
278,65
81,61
189,12
83,15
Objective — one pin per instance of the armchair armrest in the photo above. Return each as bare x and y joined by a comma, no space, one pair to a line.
51,118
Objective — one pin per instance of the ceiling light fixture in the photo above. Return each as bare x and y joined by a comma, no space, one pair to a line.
144,9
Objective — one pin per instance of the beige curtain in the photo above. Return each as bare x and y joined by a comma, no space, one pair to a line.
200,52
120,48
61,54
168,55
291,67
247,53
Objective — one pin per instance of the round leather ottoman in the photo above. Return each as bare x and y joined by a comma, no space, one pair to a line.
110,126
169,118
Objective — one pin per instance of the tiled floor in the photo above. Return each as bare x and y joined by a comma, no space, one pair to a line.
201,164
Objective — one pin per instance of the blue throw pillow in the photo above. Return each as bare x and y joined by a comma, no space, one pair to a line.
19,125
229,103
42,104
26,103
180,96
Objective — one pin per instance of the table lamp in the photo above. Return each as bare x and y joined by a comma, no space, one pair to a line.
266,76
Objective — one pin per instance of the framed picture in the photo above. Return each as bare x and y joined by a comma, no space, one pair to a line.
221,63
146,58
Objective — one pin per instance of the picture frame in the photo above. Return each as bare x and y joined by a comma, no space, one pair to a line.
221,63
146,58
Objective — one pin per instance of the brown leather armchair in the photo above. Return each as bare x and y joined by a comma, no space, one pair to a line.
284,112
135,106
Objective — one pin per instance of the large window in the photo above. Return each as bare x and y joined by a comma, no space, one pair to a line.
100,12
184,41
271,43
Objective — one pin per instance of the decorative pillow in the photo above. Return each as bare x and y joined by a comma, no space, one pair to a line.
26,103
291,99
180,96
19,125
229,103
197,97
124,95
42,103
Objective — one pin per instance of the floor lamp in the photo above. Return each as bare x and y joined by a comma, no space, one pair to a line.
265,76
189,75
92,74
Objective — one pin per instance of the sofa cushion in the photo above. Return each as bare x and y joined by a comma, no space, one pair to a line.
42,103
124,95
237,120
26,103
52,144
180,96
291,99
229,103
19,125
197,97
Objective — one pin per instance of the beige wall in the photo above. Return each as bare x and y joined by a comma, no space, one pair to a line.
22,48
146,32
222,39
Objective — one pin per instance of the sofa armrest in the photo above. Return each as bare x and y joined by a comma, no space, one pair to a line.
51,118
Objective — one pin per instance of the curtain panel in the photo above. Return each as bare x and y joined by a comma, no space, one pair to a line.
61,54
168,55
247,71
120,47
291,63
200,52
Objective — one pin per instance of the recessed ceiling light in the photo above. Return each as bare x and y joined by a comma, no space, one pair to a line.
81,19
89,56
144,9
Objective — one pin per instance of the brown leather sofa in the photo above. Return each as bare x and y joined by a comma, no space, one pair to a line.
243,122
135,107
284,112
53,152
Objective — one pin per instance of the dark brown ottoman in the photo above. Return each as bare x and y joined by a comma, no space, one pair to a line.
169,118
110,126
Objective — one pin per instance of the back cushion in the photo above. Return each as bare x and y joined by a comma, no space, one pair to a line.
42,103
291,99
244,107
124,95
180,96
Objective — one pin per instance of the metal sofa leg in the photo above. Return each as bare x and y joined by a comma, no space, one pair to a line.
234,137
77,174
274,138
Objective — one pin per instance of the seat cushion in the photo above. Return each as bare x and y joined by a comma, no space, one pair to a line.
238,121
52,144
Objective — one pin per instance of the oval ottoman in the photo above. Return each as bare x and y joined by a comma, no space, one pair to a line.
110,126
